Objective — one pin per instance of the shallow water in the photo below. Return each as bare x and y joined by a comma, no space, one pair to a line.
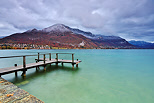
104,76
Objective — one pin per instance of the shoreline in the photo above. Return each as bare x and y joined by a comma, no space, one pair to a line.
11,93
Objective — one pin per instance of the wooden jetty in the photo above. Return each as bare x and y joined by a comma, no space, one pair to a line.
38,62
9,93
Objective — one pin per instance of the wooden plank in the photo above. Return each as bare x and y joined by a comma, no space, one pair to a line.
20,67
32,65
18,95
64,61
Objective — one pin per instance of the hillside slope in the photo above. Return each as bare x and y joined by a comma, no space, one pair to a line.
60,35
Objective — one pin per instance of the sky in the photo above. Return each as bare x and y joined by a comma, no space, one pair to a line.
129,19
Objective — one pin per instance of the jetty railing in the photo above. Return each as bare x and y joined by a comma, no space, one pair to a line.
38,55
45,62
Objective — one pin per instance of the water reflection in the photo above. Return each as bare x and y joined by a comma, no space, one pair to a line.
33,73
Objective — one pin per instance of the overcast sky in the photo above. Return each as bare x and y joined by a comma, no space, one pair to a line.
130,19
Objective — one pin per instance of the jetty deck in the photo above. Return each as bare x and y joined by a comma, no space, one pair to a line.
38,62
11,93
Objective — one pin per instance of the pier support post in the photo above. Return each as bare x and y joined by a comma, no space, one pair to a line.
73,66
16,73
24,73
36,66
44,68
62,62
77,64
57,64
24,61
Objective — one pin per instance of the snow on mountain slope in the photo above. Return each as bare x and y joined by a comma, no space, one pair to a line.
57,28
63,28
60,35
86,34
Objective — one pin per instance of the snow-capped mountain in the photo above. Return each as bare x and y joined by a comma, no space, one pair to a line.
57,27
80,32
60,35
63,28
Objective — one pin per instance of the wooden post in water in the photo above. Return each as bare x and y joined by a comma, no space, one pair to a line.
57,59
77,64
62,63
36,66
72,65
15,71
24,61
24,66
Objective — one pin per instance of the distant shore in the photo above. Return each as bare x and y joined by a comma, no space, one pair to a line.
34,46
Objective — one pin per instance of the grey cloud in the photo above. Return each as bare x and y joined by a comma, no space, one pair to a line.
132,19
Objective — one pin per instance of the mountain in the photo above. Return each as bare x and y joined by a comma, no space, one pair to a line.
2,37
57,28
60,35
142,44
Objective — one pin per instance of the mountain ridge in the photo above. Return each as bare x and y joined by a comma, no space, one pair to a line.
142,44
60,35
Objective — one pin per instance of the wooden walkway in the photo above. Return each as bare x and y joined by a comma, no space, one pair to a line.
39,62
9,93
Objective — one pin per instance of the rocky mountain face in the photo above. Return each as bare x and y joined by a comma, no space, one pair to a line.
60,35
142,44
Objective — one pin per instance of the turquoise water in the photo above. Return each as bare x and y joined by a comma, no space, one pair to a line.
104,76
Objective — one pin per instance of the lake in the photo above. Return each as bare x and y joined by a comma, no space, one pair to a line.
103,76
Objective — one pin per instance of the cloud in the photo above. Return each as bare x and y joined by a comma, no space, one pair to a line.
131,19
